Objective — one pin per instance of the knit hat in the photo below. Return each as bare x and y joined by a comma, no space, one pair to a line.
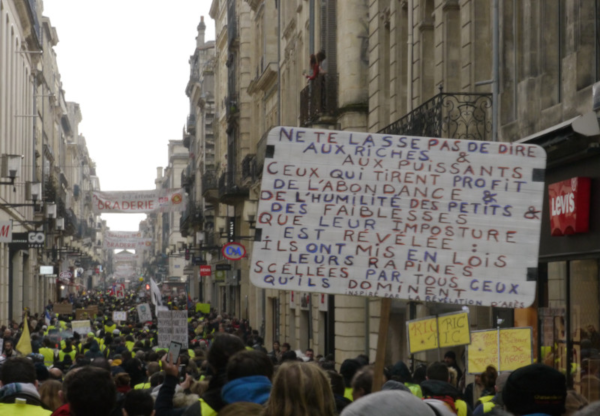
535,388
450,354
387,403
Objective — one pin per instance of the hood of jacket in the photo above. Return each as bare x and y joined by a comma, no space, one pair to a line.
432,388
253,389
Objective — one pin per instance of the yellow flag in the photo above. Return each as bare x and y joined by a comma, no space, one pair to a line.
24,344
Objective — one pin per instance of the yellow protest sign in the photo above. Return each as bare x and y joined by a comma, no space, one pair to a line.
422,334
203,307
515,349
453,330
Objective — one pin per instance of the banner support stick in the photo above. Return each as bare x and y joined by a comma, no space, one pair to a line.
437,329
498,339
384,322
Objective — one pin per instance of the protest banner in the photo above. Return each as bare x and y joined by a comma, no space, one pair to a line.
81,327
62,308
172,326
144,312
452,329
514,349
119,316
93,309
139,202
423,219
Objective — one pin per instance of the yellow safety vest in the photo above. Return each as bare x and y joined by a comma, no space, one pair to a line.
62,355
17,409
191,353
110,329
461,407
206,410
62,324
48,354
348,394
49,328
142,386
488,406
129,345
415,389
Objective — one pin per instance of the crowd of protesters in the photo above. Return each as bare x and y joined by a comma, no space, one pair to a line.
117,368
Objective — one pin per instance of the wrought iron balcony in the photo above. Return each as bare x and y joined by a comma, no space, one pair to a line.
319,101
231,188
249,168
465,116
209,186
191,217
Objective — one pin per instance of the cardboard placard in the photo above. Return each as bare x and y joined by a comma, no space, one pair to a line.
144,312
203,307
62,308
417,218
172,326
515,349
93,309
81,327
119,316
452,328
81,314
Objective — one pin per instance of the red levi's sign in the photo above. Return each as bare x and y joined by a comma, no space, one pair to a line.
569,206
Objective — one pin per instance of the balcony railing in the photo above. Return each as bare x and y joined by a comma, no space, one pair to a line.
319,101
452,115
249,167
192,216
231,188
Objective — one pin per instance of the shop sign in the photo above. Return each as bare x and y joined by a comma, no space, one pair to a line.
569,206
220,276
223,267
205,270
234,251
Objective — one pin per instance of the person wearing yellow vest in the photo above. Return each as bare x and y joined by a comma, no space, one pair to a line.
400,372
440,394
48,352
129,342
153,367
24,400
348,369
68,353
487,403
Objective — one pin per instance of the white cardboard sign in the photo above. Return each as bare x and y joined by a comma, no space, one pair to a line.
144,312
172,326
424,219
119,316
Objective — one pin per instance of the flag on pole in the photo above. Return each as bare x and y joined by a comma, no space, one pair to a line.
155,291
47,318
24,344
190,304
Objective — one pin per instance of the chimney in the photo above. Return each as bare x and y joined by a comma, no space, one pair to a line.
201,30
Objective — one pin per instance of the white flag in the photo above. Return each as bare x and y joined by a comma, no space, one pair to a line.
156,296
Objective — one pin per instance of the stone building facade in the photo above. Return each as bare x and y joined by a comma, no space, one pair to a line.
418,67
38,124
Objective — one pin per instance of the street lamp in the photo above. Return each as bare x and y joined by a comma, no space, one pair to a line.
10,168
50,210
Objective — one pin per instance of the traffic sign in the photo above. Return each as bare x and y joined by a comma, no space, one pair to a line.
234,251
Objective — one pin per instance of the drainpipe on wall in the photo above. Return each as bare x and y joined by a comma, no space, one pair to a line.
410,42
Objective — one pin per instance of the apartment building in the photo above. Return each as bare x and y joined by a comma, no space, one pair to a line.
412,67
49,190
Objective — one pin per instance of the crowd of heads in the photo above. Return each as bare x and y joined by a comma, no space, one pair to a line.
119,368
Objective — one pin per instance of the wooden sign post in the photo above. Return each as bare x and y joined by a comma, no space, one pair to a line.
384,323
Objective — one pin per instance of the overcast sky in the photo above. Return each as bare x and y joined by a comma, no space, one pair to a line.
126,63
